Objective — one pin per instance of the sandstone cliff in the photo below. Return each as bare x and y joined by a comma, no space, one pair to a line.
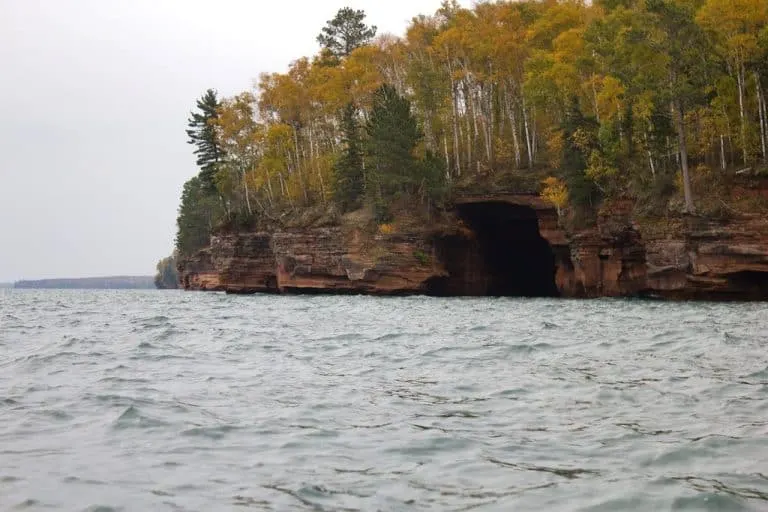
506,244
707,259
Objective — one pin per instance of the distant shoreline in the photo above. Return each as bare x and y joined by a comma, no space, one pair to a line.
89,283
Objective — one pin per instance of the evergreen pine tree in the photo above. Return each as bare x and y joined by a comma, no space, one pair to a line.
202,134
348,171
393,134
345,32
198,213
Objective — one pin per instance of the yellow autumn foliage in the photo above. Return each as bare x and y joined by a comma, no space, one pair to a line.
386,229
555,192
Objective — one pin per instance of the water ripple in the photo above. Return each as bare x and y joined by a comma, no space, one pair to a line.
170,401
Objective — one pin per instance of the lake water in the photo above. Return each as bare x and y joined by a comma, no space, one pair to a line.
127,400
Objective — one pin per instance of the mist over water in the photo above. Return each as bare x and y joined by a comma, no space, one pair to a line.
129,400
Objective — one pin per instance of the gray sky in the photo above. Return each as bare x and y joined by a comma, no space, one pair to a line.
94,97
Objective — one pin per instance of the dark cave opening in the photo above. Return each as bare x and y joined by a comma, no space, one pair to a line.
504,255
751,285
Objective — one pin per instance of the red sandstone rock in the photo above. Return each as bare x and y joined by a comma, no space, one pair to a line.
701,260
718,260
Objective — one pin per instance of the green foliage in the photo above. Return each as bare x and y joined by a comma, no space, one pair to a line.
579,134
346,32
431,174
382,214
687,48
393,134
348,170
421,257
201,132
198,214
618,99
167,278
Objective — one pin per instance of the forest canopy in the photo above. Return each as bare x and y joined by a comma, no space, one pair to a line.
652,100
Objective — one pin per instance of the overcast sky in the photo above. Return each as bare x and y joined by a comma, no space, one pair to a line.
94,97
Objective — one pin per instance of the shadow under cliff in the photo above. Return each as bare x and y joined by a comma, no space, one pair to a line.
501,253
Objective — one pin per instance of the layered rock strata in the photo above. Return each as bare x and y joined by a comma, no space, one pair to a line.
495,245
712,260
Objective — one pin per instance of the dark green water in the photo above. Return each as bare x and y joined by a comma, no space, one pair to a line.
128,400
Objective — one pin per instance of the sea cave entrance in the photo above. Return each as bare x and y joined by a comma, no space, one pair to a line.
501,254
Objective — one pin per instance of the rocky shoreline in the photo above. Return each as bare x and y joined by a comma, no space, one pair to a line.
502,244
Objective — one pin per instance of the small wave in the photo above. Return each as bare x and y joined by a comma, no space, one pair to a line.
513,393
161,493
732,339
168,334
459,414
711,488
29,503
50,358
391,336
155,320
569,473
218,432
159,357
77,480
123,380
133,418
71,341
57,414
761,375
444,351
525,348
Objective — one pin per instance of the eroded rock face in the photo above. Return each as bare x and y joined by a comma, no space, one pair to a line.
711,260
198,272
700,260
320,260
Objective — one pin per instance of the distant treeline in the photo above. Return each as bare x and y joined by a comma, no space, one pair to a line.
112,282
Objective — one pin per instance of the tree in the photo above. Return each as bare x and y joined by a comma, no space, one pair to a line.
198,214
736,25
238,133
555,192
621,96
345,32
202,134
393,134
579,141
686,47
348,170
167,278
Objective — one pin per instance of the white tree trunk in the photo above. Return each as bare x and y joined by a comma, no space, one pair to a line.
454,108
763,120
740,83
723,164
683,151
528,139
513,126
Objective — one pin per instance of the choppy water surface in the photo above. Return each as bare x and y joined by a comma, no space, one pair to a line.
170,401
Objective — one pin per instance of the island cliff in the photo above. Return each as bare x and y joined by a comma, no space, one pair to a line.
513,149
499,245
